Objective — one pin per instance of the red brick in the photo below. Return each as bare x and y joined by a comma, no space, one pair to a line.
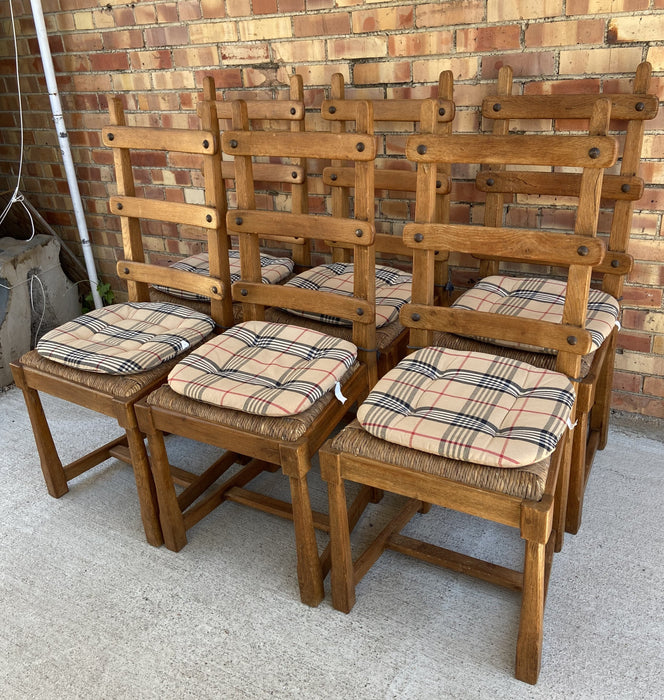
642,297
123,39
166,36
319,4
213,8
151,60
79,43
245,53
189,10
653,386
382,72
420,44
636,342
321,25
501,38
623,381
291,5
588,7
565,33
638,404
540,63
167,13
264,7
109,61
383,19
444,14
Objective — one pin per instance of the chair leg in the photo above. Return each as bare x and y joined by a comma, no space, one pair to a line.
577,476
531,630
51,465
309,569
147,497
170,514
341,574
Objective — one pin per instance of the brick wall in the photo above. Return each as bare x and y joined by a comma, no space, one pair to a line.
156,53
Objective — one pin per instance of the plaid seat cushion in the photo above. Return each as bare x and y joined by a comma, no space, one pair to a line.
471,407
125,338
268,369
538,298
393,290
273,270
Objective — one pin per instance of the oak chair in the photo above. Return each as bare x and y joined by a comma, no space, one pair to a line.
394,119
234,392
109,358
277,266
473,432
512,293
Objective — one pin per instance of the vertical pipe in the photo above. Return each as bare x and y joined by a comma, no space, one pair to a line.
63,139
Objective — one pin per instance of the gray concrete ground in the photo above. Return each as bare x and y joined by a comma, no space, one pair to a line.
88,609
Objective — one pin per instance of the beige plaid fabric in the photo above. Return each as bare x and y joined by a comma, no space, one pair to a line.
273,270
393,290
125,338
471,407
538,298
264,368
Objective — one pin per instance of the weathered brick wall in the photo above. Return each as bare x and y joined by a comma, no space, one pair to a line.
156,53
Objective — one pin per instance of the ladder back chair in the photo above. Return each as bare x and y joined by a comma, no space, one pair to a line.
510,293
269,394
476,433
393,120
109,358
392,283
276,266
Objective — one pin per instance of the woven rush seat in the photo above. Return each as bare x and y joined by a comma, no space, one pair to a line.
478,408
120,386
273,271
264,368
283,428
524,482
393,290
125,338
538,298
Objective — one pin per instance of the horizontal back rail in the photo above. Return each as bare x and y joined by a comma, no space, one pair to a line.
160,210
623,106
150,139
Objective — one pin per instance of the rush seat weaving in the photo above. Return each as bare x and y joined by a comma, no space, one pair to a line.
125,338
538,298
393,289
273,271
263,368
470,406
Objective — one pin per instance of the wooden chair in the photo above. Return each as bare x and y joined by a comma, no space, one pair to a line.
394,120
619,192
106,376
264,430
277,264
392,283
425,431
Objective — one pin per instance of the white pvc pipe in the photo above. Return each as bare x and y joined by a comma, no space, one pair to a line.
65,148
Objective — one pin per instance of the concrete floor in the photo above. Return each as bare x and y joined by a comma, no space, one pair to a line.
89,609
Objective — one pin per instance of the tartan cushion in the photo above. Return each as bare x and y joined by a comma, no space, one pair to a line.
392,290
125,338
268,369
538,298
471,407
273,270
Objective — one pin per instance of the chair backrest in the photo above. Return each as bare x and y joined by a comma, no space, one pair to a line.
291,174
578,251
251,224
629,111
392,119
134,146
